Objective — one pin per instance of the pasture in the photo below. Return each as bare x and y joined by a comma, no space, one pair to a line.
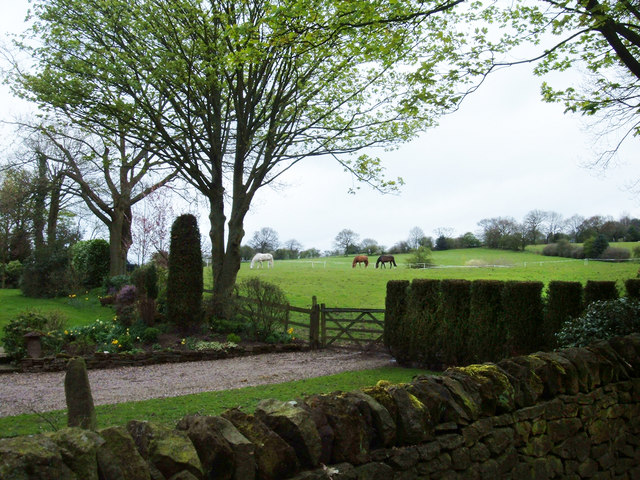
337,284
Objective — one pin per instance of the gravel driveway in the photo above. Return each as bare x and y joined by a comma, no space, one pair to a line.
41,392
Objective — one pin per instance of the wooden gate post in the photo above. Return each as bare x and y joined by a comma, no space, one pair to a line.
323,325
314,323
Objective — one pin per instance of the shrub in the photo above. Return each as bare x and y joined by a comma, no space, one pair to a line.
550,250
454,319
522,303
615,254
90,260
420,325
633,288
602,320
395,315
49,324
12,274
125,305
564,301
636,251
150,335
46,273
599,290
263,314
419,258
185,283
595,246
145,279
487,337
112,285
233,338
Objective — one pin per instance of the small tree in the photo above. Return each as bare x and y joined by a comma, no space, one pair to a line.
184,285
595,246
420,257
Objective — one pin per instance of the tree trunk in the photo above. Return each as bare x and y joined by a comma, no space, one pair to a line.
54,212
119,240
225,262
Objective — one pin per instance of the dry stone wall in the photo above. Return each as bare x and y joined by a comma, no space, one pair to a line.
569,414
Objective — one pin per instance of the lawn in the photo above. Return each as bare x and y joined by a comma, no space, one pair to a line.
170,410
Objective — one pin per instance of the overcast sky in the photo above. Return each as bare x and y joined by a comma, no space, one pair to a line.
503,153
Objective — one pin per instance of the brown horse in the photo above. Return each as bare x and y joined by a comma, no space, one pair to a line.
360,259
386,259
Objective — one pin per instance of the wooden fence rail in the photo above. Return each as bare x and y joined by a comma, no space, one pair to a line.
361,327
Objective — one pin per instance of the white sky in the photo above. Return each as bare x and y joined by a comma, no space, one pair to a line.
503,153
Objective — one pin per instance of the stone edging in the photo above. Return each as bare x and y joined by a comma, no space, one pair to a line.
115,360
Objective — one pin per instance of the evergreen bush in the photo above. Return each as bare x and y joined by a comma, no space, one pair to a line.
602,320
395,315
12,273
454,319
421,325
487,333
633,288
185,283
564,301
90,260
46,273
522,304
599,290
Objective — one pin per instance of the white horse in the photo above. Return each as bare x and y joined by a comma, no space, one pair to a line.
262,257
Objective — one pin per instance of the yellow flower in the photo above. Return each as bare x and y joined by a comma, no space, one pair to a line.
184,340
114,341
86,298
66,332
290,331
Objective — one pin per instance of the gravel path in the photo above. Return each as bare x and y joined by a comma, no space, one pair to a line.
42,392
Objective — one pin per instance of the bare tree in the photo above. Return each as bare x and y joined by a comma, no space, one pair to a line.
346,240
265,240
416,236
533,222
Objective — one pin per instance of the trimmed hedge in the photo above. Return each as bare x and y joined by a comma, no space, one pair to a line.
487,333
423,305
454,318
185,282
522,303
599,290
633,288
395,316
564,301
436,323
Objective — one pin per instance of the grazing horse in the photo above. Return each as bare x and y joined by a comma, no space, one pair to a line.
262,257
360,259
386,259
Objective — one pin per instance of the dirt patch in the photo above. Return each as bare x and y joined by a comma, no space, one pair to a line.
41,392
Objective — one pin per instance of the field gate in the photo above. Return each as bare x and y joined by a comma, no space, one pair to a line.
360,328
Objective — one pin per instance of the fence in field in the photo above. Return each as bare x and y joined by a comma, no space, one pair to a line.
323,326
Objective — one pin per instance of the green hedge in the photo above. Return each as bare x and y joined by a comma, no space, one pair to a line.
395,315
454,318
564,301
487,333
522,303
599,290
633,287
424,302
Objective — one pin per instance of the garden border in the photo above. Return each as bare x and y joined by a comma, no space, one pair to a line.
116,360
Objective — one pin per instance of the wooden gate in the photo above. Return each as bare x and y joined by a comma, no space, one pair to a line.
356,327
346,327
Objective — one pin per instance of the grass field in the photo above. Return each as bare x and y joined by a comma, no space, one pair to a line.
337,284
